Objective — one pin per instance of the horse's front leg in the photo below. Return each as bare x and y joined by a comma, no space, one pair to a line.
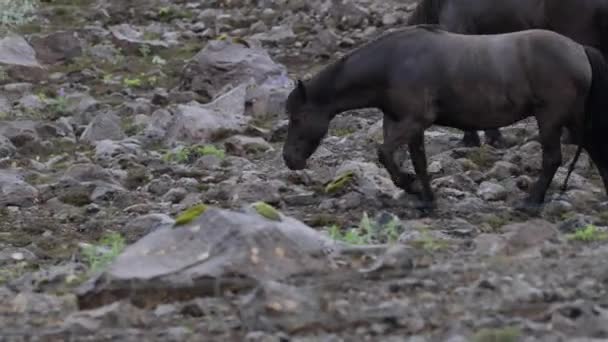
418,156
396,134
408,131
471,139
552,159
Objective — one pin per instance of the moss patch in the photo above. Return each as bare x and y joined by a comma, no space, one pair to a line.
190,214
267,211
507,334
340,182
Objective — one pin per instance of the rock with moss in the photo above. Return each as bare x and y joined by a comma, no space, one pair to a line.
340,182
506,334
240,249
190,214
267,211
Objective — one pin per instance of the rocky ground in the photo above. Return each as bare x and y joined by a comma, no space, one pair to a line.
118,119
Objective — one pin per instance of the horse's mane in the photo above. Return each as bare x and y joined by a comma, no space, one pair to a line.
426,12
435,28
324,79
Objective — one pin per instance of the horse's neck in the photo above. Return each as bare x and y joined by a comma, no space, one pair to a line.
350,99
348,91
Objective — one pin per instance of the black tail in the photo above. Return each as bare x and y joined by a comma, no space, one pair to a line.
596,123
426,12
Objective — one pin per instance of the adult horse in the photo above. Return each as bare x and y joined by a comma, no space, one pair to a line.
423,75
585,21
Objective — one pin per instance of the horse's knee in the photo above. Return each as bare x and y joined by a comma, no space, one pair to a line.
385,154
552,159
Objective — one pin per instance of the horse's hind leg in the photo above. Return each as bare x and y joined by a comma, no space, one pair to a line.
601,162
550,134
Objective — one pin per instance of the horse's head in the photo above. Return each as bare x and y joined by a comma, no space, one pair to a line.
308,123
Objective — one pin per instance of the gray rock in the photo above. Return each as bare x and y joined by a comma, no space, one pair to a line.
278,307
104,126
48,279
82,107
107,151
241,249
16,51
14,191
240,145
491,191
372,181
521,239
59,46
175,195
19,60
502,170
7,149
130,37
196,123
390,19
31,103
224,63
115,315
146,224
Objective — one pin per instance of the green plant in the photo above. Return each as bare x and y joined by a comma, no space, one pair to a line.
101,255
367,231
191,153
589,233
59,104
145,50
352,236
429,242
132,82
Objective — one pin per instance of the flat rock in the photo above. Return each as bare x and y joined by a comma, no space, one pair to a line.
235,247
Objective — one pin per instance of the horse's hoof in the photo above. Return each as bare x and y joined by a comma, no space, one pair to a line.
407,183
498,143
425,206
528,207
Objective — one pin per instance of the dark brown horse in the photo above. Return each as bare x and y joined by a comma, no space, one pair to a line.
422,75
585,21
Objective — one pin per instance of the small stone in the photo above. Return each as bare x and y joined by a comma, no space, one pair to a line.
491,191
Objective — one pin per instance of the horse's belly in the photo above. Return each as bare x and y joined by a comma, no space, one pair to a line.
481,113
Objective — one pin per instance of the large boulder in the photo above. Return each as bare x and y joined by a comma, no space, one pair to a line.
223,64
195,123
219,250
58,46
19,59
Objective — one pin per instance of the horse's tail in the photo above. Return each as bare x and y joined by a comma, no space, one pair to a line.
426,12
596,120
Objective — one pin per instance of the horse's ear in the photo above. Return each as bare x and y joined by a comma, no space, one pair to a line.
301,90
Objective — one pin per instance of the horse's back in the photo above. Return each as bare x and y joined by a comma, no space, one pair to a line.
554,56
